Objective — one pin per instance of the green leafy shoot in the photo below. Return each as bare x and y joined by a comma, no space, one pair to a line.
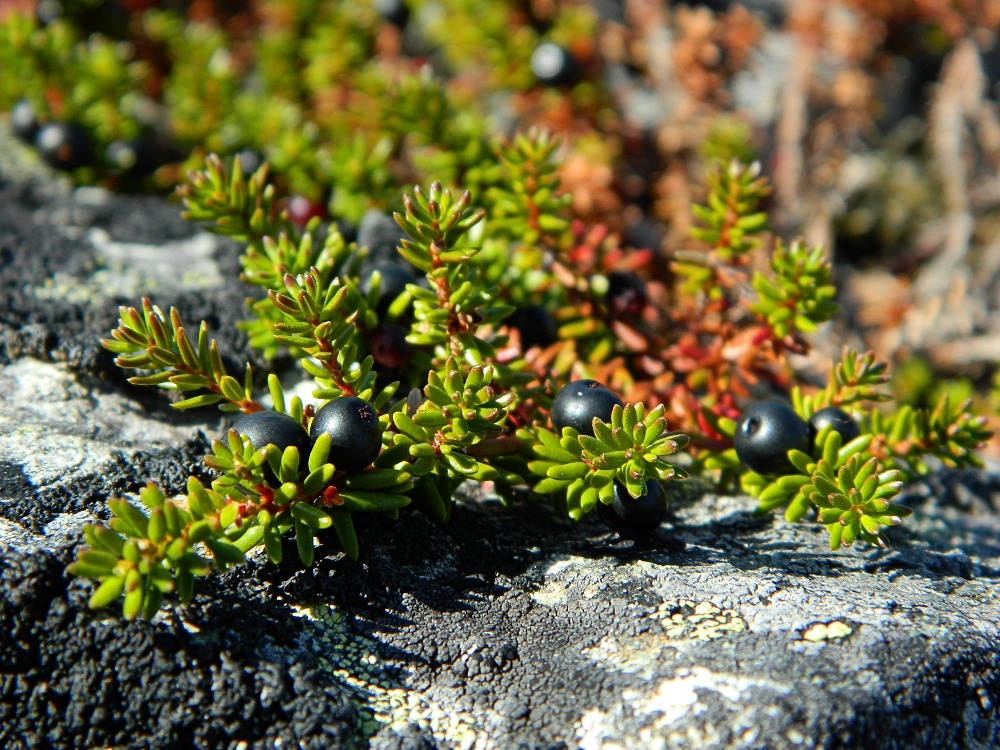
788,491
447,316
848,486
233,204
801,293
159,549
853,379
730,226
160,347
527,206
319,330
631,450
854,500
439,440
951,433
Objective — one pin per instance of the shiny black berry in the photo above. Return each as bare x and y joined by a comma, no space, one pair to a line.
626,296
634,517
381,234
838,419
765,432
24,121
554,66
274,428
354,429
580,402
64,145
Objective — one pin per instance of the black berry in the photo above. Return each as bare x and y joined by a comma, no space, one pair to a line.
396,12
136,157
553,65
838,419
64,145
277,429
354,429
393,279
626,296
381,234
24,121
347,230
535,325
580,402
634,517
765,432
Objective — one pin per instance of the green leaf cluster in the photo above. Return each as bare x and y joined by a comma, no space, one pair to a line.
854,502
162,349
949,432
730,219
234,204
437,439
527,223
98,78
448,315
847,485
730,225
526,205
148,553
801,293
630,450
854,378
788,491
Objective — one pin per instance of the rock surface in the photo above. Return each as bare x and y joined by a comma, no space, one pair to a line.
507,628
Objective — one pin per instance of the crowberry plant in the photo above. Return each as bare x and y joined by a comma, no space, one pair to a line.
447,344
485,411
389,433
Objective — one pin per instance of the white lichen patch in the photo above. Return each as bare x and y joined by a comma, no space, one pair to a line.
668,715
56,428
353,661
133,269
560,575
682,622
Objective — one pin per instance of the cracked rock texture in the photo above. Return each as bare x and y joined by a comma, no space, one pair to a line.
507,628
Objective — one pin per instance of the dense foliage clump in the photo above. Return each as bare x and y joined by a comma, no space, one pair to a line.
489,267
471,402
